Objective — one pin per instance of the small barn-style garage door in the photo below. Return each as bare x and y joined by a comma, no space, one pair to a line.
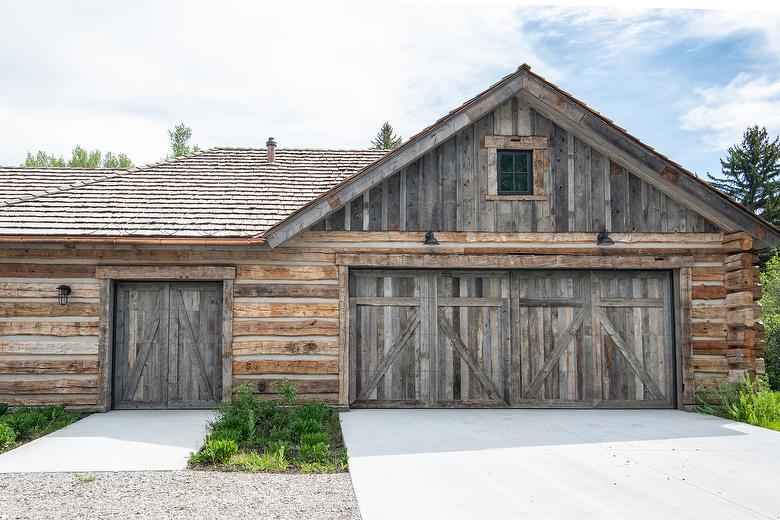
167,343
511,338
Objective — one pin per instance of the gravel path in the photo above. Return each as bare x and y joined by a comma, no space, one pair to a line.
179,494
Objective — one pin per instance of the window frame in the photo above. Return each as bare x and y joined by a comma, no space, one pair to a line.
529,167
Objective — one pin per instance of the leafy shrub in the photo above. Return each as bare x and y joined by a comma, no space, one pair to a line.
31,423
314,438
315,411
3,408
770,315
314,452
268,461
301,427
751,402
278,445
258,434
287,389
7,436
218,451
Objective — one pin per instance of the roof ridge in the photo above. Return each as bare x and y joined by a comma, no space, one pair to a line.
248,148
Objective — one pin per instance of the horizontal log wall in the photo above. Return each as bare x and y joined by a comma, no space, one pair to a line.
287,301
285,308
286,325
453,188
48,351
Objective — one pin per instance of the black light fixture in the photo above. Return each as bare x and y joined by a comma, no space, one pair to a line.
63,291
430,240
602,239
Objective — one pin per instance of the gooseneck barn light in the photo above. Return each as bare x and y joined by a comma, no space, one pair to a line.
602,239
63,291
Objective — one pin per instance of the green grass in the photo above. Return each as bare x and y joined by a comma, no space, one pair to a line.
751,402
254,434
28,423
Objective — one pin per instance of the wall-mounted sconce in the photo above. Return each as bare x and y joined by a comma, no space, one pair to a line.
63,291
602,239
430,240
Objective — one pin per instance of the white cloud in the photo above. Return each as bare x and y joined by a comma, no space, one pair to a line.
724,111
322,74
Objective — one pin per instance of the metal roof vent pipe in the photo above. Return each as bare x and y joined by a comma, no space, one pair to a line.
271,145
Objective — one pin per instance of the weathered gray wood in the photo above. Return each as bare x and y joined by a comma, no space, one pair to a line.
165,272
168,339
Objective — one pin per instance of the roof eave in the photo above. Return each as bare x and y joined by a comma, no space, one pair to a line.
125,240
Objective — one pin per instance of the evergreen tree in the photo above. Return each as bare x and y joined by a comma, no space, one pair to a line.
751,173
180,137
386,139
80,158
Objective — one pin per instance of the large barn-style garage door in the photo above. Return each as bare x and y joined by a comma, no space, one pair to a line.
511,338
167,345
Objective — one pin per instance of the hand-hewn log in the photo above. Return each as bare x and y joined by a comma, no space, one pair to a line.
305,327
271,346
244,309
708,292
738,280
286,366
283,272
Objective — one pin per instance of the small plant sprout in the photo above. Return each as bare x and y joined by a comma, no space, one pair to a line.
287,389
83,479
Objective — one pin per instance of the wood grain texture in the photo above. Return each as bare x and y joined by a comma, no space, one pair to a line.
291,366
47,309
300,327
293,272
249,309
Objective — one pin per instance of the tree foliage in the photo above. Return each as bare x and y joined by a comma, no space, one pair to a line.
386,138
770,315
80,158
180,137
751,173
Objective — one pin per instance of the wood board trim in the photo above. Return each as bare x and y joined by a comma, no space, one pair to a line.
165,272
444,261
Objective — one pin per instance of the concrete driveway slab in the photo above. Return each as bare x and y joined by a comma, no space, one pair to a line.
120,440
585,464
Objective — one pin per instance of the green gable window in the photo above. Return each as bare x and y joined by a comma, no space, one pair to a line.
514,172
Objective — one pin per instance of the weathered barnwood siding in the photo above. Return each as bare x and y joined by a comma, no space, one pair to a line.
289,303
48,352
285,319
453,188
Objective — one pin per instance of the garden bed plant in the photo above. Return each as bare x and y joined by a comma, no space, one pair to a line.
28,423
256,434
751,402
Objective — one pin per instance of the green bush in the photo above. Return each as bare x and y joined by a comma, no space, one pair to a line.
751,402
314,452
258,434
287,389
301,427
7,436
770,315
268,461
314,438
31,423
219,451
772,350
314,411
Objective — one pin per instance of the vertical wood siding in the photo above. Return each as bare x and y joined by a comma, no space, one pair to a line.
446,189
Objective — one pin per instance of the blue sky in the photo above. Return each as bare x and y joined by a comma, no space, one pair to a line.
116,75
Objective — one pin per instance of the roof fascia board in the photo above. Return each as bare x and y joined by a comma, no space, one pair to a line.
664,175
394,161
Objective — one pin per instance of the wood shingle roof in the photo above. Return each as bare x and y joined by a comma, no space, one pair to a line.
220,192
